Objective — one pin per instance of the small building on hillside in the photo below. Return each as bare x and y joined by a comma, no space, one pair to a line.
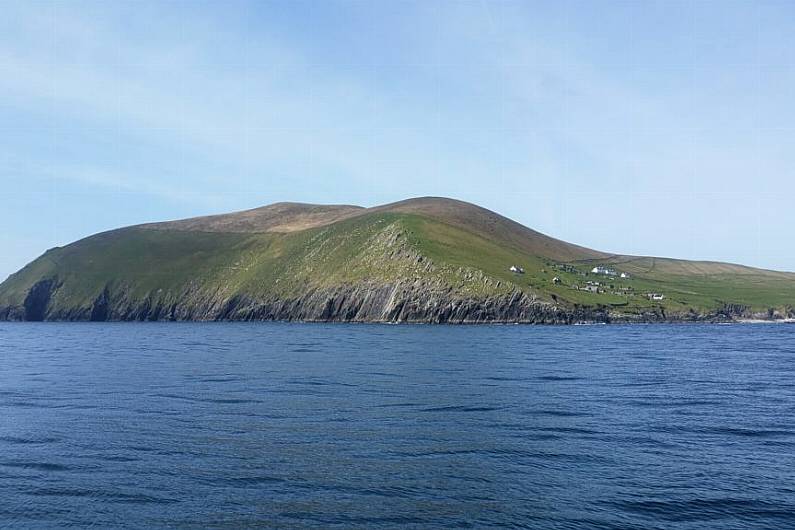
656,296
625,275
556,280
604,270
516,270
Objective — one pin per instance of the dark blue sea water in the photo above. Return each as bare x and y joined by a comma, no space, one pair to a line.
368,426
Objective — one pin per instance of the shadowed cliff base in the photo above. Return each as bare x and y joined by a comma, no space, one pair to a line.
429,260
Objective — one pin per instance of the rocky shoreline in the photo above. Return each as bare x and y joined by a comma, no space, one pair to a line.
401,302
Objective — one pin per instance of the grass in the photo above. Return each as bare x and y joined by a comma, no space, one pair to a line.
382,247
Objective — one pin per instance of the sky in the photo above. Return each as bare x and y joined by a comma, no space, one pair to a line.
636,127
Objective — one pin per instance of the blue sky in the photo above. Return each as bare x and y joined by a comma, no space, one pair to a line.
654,128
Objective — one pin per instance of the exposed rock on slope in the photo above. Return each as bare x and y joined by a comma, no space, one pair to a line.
423,260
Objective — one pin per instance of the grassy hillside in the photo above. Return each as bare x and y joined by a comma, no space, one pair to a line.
167,264
286,251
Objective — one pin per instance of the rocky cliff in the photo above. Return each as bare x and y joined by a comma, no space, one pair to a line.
429,260
407,302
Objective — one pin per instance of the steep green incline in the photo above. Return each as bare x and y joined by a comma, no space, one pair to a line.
143,260
185,267
425,260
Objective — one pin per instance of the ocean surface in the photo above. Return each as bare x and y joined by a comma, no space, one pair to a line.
373,426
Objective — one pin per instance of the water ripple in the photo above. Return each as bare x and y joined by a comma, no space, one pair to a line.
333,426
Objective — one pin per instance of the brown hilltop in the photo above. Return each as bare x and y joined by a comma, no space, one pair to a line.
278,217
286,217
491,226
291,217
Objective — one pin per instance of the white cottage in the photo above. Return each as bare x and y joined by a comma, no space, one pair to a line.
604,270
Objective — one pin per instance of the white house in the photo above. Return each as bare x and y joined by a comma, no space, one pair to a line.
625,275
604,270
517,270
656,296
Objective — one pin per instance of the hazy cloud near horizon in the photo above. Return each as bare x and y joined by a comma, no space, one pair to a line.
655,128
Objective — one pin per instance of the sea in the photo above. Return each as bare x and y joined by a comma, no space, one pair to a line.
288,425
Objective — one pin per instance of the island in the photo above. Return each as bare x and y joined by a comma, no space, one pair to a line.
423,260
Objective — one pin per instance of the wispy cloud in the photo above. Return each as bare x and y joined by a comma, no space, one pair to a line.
532,109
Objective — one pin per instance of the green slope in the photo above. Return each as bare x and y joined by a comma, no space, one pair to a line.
162,264
445,245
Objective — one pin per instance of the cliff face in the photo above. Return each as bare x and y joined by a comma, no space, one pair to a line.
409,302
430,261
